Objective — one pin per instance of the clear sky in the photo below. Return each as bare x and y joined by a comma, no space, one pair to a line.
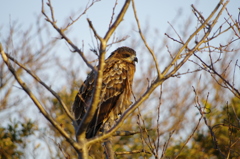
155,12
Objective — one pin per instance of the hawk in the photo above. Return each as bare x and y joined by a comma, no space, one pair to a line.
116,90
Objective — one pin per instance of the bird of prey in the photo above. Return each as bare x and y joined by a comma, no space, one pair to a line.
116,90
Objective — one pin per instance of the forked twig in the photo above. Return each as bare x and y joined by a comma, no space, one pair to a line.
145,42
43,84
36,102
61,32
231,88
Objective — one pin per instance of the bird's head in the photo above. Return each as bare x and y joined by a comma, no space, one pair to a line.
125,53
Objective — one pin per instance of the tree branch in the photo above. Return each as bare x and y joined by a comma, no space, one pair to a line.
103,43
117,21
132,152
80,133
158,81
229,86
191,37
37,103
145,42
43,84
61,32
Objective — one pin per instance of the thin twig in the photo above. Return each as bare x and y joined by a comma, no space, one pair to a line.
127,133
181,41
191,37
195,129
202,112
231,88
61,32
173,39
158,120
132,152
166,144
145,42
117,21
43,84
37,103
113,12
93,29
84,12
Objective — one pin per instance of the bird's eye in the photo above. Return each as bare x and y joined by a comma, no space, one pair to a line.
126,55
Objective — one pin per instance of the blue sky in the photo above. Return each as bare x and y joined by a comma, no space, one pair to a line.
155,12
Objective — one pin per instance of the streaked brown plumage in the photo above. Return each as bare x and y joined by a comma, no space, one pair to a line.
116,90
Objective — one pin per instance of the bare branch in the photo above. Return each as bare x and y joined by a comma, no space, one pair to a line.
181,41
94,31
203,113
191,37
145,96
166,144
194,130
145,42
43,84
113,12
80,133
37,103
118,40
52,11
173,39
143,130
132,152
84,12
109,153
63,36
117,21
127,133
231,87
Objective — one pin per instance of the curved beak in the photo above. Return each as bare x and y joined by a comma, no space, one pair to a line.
135,59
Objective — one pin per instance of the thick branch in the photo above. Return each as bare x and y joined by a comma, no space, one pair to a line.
109,153
127,113
103,44
189,54
158,81
80,133
117,21
189,39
